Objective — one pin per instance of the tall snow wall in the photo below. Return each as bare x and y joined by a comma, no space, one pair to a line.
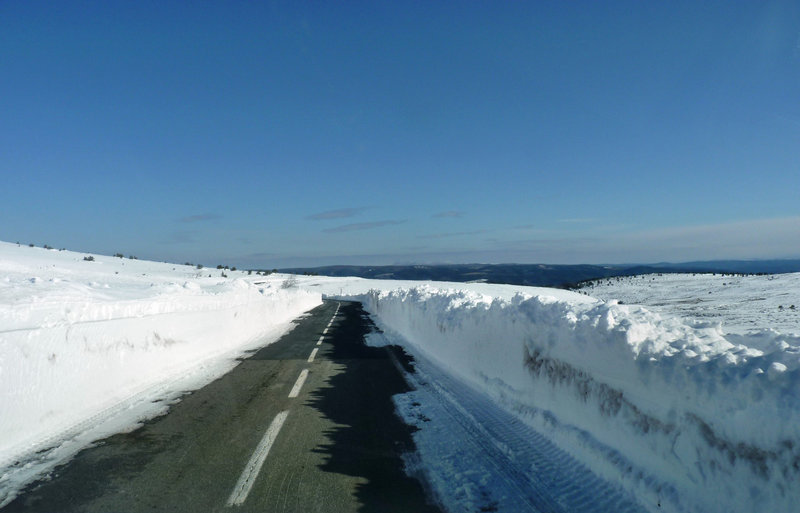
63,364
676,413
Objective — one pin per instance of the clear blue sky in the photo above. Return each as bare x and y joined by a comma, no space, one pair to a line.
309,133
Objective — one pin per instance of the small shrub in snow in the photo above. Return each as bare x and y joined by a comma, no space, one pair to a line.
89,258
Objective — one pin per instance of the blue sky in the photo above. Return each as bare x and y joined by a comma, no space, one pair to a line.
309,133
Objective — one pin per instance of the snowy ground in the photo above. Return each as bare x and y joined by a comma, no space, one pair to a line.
686,414
690,403
89,348
740,303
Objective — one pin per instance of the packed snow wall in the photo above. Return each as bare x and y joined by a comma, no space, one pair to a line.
64,360
680,415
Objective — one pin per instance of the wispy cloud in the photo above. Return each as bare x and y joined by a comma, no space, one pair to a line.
181,237
261,254
757,238
530,228
766,238
449,213
578,220
340,213
361,226
451,234
199,218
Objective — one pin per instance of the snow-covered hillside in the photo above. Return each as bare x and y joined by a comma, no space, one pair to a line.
86,342
685,414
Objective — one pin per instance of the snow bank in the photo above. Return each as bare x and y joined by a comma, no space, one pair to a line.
78,338
679,414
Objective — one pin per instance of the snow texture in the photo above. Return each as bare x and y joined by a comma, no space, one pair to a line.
690,403
83,343
683,414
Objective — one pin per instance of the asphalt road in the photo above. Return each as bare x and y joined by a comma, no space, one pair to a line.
261,438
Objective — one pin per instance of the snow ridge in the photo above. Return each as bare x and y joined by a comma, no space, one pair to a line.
679,414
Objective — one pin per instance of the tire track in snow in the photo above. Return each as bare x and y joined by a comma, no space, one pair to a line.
478,457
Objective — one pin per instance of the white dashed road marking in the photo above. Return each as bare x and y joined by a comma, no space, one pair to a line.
250,473
253,467
298,384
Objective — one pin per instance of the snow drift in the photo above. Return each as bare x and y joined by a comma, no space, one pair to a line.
679,414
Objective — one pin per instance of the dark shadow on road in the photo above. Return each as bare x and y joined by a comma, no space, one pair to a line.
370,437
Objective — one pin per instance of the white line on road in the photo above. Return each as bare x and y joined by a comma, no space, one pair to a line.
319,342
298,384
250,473
313,354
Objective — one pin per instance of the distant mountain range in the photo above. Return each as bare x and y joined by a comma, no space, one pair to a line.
564,276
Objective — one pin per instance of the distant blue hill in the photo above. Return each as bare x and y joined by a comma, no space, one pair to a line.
543,275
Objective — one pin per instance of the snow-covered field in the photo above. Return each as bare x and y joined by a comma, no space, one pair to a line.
86,347
740,302
685,413
691,402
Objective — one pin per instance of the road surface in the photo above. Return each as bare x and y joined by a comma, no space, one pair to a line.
320,421
304,424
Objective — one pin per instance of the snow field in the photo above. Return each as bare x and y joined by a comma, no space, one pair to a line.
683,415
742,303
77,339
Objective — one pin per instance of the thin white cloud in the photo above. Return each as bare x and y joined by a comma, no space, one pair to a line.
361,226
757,238
761,238
340,213
451,234
753,239
199,218
181,237
449,214
578,220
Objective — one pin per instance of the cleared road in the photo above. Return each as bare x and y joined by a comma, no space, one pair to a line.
305,424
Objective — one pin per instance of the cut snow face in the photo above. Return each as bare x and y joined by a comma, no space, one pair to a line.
687,415
88,345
